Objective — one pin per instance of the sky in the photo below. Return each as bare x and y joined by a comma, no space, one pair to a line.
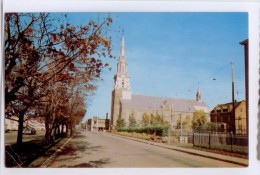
171,54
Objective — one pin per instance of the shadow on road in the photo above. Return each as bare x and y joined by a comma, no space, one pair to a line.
75,151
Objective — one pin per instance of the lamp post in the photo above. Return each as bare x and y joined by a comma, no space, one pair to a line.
150,115
181,125
171,114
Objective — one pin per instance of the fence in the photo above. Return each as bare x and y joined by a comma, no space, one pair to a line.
221,141
211,140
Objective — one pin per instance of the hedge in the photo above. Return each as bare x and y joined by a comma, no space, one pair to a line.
160,130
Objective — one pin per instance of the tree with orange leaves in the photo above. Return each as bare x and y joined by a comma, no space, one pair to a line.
40,56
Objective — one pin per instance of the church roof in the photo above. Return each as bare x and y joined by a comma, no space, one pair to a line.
156,103
228,106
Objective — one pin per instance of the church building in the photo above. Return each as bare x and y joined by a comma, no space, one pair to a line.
125,104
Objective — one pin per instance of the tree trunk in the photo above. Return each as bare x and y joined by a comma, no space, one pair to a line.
58,131
70,128
53,129
62,130
19,141
47,131
67,130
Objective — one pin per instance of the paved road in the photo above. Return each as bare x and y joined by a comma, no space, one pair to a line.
98,149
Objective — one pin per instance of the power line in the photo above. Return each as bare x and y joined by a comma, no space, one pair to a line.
215,73
213,76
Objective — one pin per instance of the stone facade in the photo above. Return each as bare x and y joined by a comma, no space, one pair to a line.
170,109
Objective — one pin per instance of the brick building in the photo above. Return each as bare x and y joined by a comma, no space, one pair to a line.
222,114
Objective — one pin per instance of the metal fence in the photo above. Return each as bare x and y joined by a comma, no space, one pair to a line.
210,139
222,141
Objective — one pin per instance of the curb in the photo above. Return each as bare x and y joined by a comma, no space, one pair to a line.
48,161
183,151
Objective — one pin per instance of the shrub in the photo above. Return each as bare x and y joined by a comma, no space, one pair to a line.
160,130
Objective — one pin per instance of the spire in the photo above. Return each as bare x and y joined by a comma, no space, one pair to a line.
122,51
198,95
121,78
121,65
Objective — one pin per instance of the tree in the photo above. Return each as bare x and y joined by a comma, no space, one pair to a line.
158,119
211,126
145,119
40,56
120,123
178,124
153,120
78,110
199,118
132,120
187,122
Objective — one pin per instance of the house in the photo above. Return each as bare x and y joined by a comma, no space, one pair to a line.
97,123
222,114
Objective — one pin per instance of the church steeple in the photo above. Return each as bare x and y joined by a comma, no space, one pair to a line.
121,78
198,95
121,65
122,51
122,88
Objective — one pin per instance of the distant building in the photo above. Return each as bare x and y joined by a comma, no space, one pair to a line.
37,123
222,114
97,123
125,104
11,124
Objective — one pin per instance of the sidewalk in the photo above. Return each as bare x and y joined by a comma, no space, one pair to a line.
190,150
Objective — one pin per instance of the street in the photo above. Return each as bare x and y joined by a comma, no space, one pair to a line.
99,149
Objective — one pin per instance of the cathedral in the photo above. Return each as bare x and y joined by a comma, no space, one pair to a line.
124,103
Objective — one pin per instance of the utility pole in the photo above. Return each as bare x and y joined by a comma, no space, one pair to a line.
181,124
233,125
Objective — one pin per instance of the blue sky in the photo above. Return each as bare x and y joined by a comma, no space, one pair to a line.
169,54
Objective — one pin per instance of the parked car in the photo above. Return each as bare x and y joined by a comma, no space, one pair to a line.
6,128
29,131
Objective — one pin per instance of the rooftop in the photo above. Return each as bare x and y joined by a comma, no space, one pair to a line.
157,103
